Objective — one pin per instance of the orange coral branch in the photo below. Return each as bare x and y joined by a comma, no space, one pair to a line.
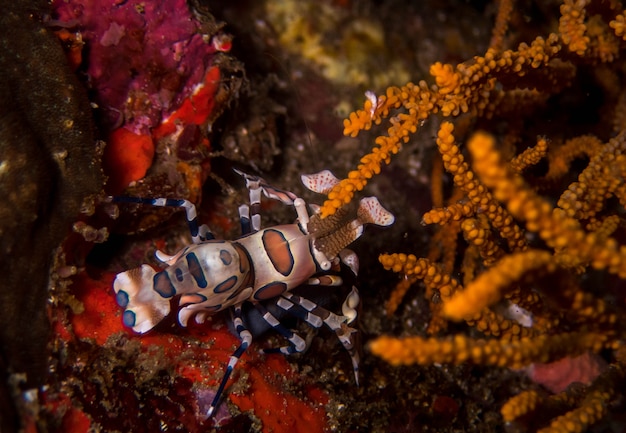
488,287
521,404
561,158
445,215
476,192
530,156
458,89
476,231
598,182
505,7
558,315
572,26
553,225
460,349
396,296
422,269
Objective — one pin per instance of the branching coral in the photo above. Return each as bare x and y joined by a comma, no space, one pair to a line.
567,246
471,86
537,269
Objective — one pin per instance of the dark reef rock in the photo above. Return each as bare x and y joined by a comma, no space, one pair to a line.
49,164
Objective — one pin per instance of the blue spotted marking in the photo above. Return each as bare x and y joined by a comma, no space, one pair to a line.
226,285
196,270
162,285
122,298
128,318
179,274
226,257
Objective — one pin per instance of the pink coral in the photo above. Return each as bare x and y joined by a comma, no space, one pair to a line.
143,58
557,376
152,71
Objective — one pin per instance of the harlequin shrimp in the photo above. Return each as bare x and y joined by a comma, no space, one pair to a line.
261,266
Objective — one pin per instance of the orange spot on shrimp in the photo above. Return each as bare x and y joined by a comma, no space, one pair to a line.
277,249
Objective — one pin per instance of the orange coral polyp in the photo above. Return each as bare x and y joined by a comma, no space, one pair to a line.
619,25
446,78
